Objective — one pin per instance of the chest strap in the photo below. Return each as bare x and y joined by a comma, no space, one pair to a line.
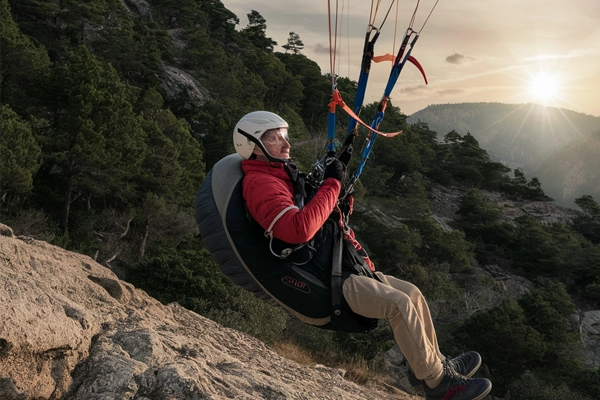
269,234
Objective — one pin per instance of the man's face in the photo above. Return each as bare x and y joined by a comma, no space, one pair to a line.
276,142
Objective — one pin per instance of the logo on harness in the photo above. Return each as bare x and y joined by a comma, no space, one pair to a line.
296,284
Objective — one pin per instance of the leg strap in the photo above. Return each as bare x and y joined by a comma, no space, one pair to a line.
336,277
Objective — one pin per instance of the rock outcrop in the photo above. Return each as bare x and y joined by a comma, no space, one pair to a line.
138,8
590,337
70,329
175,81
445,202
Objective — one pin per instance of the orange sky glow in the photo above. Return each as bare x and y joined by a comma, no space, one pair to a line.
544,51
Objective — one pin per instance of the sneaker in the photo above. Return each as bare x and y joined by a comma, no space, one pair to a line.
456,387
466,365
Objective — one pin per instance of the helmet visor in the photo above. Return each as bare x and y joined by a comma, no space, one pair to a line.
275,136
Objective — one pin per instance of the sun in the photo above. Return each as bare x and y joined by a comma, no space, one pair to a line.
544,87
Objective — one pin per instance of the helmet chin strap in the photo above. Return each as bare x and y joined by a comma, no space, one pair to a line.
257,142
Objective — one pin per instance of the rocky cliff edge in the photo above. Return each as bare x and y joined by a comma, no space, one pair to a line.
70,329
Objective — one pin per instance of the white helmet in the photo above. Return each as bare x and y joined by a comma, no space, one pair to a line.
255,123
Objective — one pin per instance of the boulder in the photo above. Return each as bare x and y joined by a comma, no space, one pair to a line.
71,329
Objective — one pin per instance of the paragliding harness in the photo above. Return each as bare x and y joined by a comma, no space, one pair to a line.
254,261
304,189
346,249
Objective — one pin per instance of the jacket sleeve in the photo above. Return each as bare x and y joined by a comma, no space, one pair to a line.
267,196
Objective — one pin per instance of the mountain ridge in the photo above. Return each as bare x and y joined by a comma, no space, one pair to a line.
527,136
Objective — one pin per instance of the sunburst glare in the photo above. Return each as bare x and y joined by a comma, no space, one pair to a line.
544,88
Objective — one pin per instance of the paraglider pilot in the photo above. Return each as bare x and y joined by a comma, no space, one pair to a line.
270,193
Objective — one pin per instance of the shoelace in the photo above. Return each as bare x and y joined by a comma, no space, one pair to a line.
450,369
458,383
459,363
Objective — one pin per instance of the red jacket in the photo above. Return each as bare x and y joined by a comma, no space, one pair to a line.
268,190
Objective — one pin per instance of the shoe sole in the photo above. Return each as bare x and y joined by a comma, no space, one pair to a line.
420,390
474,370
484,394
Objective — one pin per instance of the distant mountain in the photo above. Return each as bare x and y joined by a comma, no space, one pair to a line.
572,171
561,147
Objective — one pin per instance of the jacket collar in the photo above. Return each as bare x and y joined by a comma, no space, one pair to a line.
273,168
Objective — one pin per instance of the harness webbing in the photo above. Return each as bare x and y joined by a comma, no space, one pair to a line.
398,62
269,232
337,101
336,276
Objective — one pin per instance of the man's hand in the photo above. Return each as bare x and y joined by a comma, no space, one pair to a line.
334,169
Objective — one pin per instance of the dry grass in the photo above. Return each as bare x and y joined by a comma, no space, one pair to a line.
358,370
372,374
294,352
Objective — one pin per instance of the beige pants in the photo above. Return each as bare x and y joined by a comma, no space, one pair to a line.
403,305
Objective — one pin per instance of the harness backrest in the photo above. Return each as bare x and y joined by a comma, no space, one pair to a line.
214,198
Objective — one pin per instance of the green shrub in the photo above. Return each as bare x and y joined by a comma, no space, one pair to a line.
189,276
531,387
508,345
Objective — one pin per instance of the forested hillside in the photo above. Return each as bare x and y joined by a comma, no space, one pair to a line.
556,145
113,112
572,171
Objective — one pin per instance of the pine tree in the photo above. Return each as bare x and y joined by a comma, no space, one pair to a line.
294,44
588,205
256,32
23,64
19,153
95,142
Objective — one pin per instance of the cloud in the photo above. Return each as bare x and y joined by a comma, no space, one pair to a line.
458,58
449,92
414,89
321,48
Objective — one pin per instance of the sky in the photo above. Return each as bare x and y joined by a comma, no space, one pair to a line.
507,51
